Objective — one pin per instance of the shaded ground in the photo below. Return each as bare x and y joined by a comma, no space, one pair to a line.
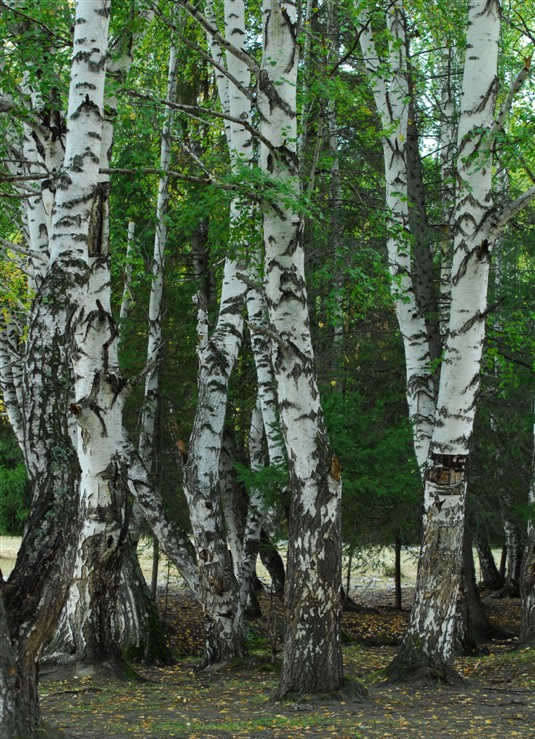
496,699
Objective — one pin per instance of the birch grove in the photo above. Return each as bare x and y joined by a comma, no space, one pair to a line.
325,183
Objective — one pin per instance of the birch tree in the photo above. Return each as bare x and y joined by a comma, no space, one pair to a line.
33,596
217,356
527,581
96,621
312,658
392,95
428,644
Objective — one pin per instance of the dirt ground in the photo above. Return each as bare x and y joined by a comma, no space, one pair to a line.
496,697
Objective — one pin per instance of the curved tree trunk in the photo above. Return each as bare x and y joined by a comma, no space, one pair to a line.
218,587
37,587
35,592
391,96
491,576
473,626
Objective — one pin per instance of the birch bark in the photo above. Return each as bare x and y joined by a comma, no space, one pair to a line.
527,582
223,608
238,106
224,635
154,340
35,592
428,645
108,606
391,94
312,652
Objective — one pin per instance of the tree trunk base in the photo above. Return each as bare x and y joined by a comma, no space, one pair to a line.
416,668
253,609
351,691
218,655
494,584
351,606
509,590
115,668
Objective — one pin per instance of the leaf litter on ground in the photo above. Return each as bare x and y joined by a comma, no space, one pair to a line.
496,699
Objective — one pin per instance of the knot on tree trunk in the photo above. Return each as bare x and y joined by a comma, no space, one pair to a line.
446,469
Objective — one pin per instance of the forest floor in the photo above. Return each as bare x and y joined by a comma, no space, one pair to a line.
495,698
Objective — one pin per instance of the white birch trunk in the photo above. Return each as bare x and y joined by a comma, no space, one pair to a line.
447,146
127,299
260,516
391,98
108,606
241,214
232,497
11,375
527,582
238,106
154,340
80,240
224,637
312,652
37,586
216,360
256,510
428,643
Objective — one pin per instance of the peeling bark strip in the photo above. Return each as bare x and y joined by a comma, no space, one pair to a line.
429,640
312,659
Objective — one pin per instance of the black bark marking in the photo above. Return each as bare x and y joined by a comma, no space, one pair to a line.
95,238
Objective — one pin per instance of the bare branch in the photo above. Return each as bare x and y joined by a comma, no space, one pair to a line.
43,26
212,30
22,177
196,110
172,173
5,244
510,210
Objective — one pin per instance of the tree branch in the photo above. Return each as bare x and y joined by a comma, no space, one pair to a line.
212,30
43,26
172,173
505,214
513,90
194,110
244,91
